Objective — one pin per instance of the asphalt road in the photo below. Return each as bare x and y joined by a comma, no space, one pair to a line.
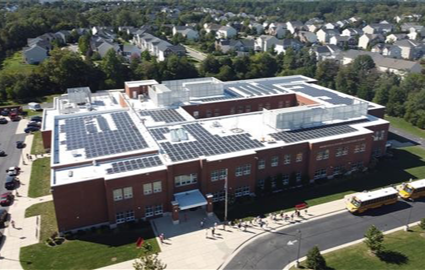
274,252
8,138
200,56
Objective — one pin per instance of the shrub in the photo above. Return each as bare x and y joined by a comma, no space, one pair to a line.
374,239
315,260
422,224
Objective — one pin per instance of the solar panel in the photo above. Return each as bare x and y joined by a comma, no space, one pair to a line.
163,115
134,164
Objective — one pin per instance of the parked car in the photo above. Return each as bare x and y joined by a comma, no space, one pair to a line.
31,129
34,106
3,216
13,171
3,120
6,199
34,124
11,182
5,112
15,118
37,118
20,144
2,153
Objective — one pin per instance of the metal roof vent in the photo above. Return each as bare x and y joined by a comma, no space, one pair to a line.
70,173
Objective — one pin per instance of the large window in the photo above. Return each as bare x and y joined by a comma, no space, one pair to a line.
186,179
149,211
285,179
158,209
118,194
321,155
358,148
299,157
120,217
287,159
157,187
128,193
129,215
147,189
275,161
341,151
261,164
320,174
242,191
379,135
153,210
218,175
219,196
243,170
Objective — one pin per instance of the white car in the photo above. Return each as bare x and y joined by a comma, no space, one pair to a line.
13,171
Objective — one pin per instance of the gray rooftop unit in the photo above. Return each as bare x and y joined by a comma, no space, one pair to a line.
79,95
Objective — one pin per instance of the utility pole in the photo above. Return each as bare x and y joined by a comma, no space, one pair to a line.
226,197
297,263
407,228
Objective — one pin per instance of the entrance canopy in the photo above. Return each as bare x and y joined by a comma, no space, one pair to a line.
190,199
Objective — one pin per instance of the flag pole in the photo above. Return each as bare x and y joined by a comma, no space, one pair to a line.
226,197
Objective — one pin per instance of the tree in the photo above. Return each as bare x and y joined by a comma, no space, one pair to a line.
396,99
289,61
149,262
422,224
226,73
115,71
415,109
363,63
374,239
209,65
315,260
326,73
84,44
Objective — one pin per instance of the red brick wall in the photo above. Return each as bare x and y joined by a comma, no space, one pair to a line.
46,136
241,105
80,204
143,89
122,102
305,101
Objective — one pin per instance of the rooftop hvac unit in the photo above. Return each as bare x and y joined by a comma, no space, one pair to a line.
174,136
182,134
216,124
70,173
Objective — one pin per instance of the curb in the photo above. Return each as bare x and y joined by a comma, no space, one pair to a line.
254,237
290,265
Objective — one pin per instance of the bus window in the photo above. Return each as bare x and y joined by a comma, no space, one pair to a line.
408,189
355,202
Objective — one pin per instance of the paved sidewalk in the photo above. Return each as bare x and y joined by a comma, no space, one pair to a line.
195,250
26,231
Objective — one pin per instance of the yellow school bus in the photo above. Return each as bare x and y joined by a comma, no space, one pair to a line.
360,202
412,189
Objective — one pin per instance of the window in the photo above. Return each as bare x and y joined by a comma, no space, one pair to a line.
260,183
217,112
298,177
376,152
275,161
287,159
129,215
260,107
247,108
218,175
324,154
280,104
320,174
285,179
268,106
358,148
186,179
242,191
128,193
196,114
158,209
209,113
219,196
299,157
357,166
147,189
379,135
157,187
338,169
362,147
117,194
243,170
345,150
287,103
120,217
382,135
240,109
232,110
261,164
149,211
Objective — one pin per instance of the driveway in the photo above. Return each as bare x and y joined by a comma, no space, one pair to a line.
200,56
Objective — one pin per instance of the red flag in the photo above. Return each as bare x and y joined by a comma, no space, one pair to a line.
139,242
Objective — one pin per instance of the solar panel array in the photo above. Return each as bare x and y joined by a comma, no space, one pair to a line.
207,144
315,132
164,115
258,89
82,133
332,97
134,164
158,133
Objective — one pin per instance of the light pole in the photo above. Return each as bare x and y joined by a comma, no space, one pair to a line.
407,228
297,263
226,197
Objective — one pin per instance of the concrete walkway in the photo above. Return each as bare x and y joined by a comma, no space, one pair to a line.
26,231
198,249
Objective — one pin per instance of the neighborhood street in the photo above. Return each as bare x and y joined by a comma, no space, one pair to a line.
195,54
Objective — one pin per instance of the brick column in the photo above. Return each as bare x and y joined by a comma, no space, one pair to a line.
175,212
209,204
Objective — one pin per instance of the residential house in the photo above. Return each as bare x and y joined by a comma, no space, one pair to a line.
226,32
325,52
186,31
103,48
409,49
239,46
63,36
265,43
35,54
330,26
354,19
211,27
257,27
129,51
324,35
387,50
378,28
391,38
416,32
342,23
313,27
410,17
277,29
352,32
306,37
157,47
283,45
343,41
294,26
367,40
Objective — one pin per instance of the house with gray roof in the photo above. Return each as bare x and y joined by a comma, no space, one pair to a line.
186,31
35,54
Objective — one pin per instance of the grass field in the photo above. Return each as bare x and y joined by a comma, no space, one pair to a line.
16,64
89,251
407,163
406,126
403,251
40,178
37,144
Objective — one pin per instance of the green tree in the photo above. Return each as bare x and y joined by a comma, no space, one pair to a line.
149,262
114,69
315,260
374,239
209,65
84,44
326,73
363,63
176,67
289,61
422,224
226,73
383,86
415,108
395,104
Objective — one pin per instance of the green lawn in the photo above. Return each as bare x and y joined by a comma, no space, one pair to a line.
37,144
403,250
40,178
89,251
16,64
407,163
406,126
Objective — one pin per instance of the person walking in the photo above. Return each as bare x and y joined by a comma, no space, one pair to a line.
13,224
202,224
213,232
206,233
305,211
161,238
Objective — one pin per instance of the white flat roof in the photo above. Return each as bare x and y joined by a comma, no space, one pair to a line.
370,195
140,83
417,184
190,199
